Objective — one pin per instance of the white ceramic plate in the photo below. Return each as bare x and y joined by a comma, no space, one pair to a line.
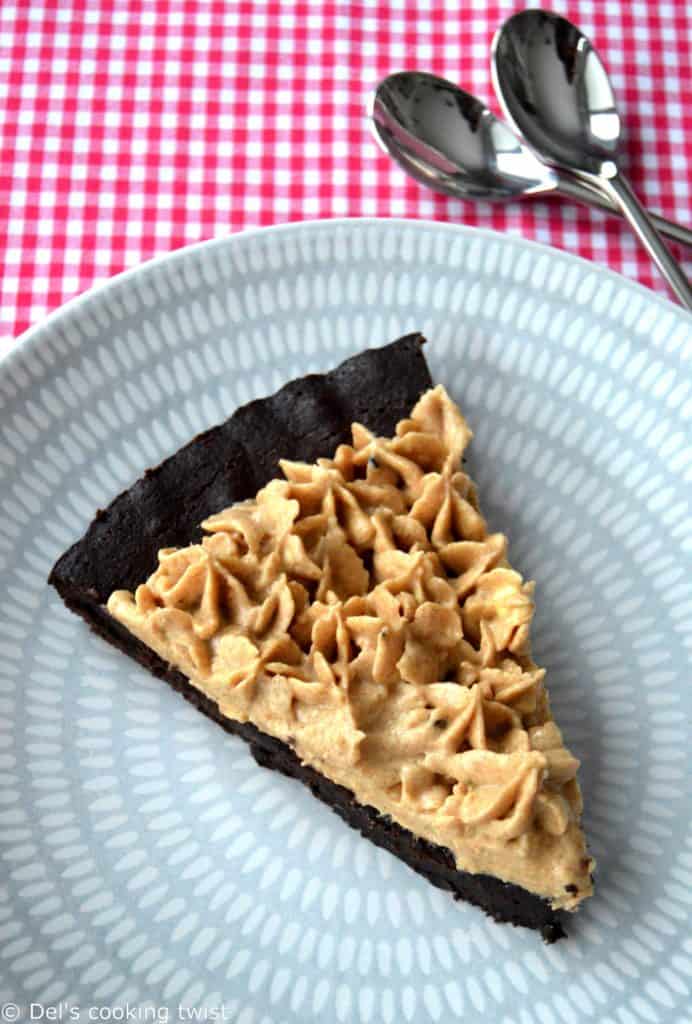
147,861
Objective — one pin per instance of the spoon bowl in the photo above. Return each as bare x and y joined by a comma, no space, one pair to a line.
556,92
447,139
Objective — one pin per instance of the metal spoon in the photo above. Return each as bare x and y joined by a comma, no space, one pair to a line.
447,139
554,89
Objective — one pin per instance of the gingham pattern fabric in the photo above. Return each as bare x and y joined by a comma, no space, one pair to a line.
132,128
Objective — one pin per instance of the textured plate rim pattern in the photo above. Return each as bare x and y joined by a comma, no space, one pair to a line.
495,307
325,224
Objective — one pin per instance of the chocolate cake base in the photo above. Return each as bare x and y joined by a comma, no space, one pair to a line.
306,419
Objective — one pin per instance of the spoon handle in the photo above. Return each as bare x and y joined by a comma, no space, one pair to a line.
569,185
619,190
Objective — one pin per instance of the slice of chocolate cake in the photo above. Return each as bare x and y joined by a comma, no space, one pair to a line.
315,575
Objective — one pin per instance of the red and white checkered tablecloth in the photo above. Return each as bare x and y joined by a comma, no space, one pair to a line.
132,127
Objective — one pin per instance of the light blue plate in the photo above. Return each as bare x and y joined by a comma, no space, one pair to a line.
146,859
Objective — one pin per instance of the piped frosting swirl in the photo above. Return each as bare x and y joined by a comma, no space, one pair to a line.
359,609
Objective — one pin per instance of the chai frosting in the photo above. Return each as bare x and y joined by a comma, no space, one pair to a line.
359,610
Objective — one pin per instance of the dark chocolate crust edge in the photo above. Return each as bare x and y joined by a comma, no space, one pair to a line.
306,419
